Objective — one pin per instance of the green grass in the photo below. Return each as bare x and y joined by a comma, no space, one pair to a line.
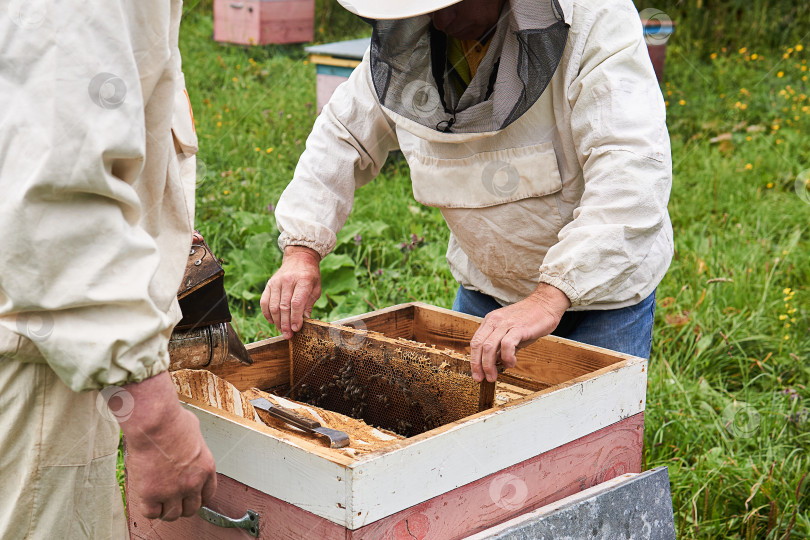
727,398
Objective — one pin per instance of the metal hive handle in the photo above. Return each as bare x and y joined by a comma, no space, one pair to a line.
249,522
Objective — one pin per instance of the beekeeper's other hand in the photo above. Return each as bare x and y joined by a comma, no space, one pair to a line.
293,290
506,329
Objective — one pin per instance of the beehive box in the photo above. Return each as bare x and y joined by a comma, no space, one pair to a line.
334,63
259,22
579,423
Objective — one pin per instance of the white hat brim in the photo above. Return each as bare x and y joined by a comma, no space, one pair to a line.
392,9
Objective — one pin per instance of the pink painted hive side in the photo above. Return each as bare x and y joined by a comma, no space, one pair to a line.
237,22
261,22
326,85
291,21
546,478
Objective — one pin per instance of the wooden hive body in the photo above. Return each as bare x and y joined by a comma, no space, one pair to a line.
580,423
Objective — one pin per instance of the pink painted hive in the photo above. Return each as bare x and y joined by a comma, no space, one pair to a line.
570,416
259,22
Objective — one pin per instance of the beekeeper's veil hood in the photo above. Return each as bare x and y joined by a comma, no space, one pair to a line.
410,70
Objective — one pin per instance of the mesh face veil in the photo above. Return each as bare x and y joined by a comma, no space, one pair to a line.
410,71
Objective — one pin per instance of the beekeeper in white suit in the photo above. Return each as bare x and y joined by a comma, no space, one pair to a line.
538,128
95,228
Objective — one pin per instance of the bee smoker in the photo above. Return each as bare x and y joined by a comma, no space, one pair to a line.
204,337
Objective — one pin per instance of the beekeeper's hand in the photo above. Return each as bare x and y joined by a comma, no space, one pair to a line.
506,329
170,468
293,290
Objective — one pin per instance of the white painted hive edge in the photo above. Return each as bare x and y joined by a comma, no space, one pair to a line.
387,483
277,467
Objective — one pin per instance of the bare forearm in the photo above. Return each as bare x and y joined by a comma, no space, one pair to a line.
153,404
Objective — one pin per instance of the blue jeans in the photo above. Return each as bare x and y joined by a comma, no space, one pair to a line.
627,330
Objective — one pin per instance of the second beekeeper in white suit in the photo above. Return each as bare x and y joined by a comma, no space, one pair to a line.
538,128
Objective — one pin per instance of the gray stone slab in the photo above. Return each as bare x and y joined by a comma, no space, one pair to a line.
638,506
353,49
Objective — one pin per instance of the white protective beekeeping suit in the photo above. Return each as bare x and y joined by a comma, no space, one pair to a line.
95,227
559,179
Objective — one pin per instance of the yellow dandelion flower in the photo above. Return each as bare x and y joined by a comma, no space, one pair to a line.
226,192
748,166
790,50
713,55
804,78
799,47
257,149
804,68
786,56
238,66
682,102
748,138
754,56
723,49
743,50
306,62
251,61
769,185
787,325
778,141
780,74
744,106
666,103
786,290
219,124
782,317
787,336
269,150
669,92
775,127
234,79
793,319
